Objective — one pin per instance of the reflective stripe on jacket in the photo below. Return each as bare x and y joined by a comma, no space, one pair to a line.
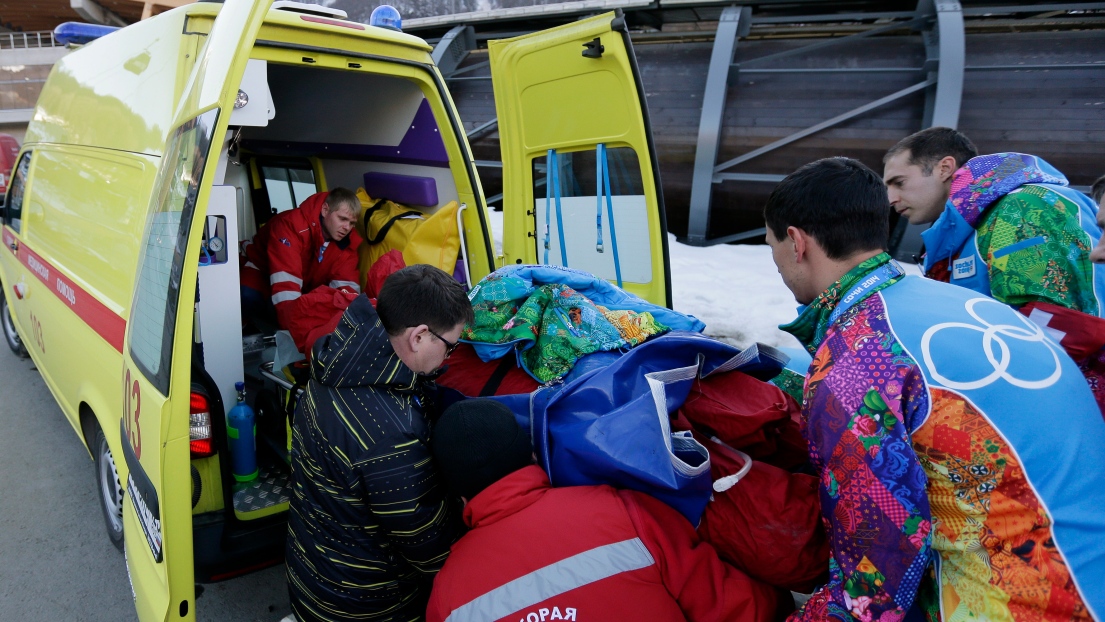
537,553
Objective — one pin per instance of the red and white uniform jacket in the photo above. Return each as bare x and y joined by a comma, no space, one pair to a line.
289,258
537,553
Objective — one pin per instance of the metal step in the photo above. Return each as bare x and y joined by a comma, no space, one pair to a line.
267,495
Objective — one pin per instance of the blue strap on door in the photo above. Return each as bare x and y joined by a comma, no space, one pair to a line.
552,193
599,170
602,181
549,164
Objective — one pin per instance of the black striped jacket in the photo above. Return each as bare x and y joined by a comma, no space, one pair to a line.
370,522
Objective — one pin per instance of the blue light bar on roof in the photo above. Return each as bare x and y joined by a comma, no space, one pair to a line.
386,16
78,33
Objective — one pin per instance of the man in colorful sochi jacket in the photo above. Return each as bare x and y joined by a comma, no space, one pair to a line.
958,448
1007,225
370,522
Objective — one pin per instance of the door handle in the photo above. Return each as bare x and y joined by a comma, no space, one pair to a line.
14,246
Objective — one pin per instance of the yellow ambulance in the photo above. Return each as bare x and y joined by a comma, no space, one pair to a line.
156,149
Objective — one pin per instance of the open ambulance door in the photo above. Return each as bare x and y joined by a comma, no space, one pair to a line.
157,517
581,187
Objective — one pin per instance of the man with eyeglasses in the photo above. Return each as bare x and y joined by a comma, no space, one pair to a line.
370,522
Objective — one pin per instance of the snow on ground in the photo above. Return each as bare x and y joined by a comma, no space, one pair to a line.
735,289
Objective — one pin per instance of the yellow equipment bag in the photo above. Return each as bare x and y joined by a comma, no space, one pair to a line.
385,226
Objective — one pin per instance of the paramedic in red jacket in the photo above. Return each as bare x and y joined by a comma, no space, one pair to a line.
537,553
299,252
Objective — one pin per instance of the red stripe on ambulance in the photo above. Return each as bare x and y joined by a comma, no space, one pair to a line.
108,324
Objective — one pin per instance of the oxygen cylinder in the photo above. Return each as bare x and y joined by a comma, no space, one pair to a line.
241,431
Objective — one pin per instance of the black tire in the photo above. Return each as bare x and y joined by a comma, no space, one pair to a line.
7,326
108,488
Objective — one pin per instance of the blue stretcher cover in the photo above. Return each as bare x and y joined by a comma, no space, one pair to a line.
610,425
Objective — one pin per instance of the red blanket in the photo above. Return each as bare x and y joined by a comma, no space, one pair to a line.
465,372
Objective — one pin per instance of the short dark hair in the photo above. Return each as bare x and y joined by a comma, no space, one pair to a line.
928,147
422,294
838,201
343,196
1097,190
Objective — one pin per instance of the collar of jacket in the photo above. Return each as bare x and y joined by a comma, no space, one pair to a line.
359,354
813,320
976,186
506,497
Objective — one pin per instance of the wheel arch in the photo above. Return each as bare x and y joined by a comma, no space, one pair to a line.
89,421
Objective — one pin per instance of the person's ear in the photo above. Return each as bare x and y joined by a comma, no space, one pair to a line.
415,336
800,240
946,167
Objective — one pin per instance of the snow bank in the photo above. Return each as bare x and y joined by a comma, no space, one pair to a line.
735,289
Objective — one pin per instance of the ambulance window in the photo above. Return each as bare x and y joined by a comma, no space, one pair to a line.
589,232
14,208
287,186
153,315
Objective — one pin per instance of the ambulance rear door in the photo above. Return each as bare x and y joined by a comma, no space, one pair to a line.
581,186
157,354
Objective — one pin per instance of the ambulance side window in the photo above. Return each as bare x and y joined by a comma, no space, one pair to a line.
287,186
13,212
593,241
153,318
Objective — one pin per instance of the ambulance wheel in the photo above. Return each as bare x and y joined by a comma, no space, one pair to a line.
10,334
110,489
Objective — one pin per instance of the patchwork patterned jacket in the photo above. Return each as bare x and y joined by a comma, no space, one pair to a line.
1012,229
960,455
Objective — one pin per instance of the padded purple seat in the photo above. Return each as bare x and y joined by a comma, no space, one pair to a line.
402,189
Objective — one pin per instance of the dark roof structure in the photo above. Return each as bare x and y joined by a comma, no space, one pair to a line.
38,15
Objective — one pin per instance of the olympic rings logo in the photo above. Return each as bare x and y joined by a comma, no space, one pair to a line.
994,334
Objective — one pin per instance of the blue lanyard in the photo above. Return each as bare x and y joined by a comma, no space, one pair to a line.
884,274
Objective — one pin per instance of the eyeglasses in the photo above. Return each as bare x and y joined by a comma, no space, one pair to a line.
449,345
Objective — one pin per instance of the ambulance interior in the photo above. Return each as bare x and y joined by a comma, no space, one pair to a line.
302,129
347,123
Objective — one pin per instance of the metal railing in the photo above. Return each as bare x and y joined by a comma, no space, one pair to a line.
23,40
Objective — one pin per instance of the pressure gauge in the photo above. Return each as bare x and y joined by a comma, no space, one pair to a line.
215,244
